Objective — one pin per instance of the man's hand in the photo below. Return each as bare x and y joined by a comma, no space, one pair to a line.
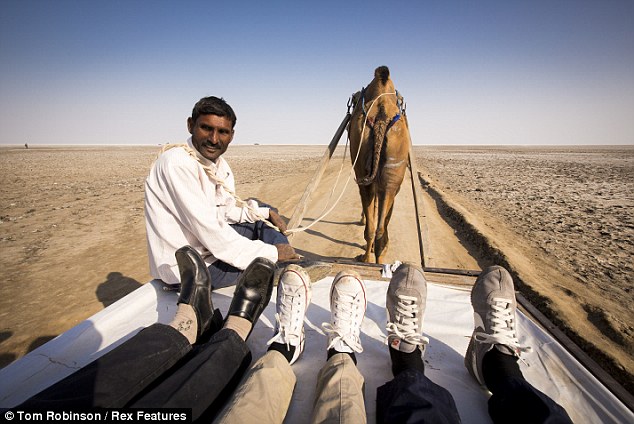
285,252
277,220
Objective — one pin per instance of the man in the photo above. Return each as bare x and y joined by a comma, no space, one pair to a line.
190,200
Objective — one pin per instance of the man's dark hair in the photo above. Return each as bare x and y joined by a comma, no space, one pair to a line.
214,106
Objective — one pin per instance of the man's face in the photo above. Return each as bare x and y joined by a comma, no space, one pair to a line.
211,135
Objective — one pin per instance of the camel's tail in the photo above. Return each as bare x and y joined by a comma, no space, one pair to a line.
379,130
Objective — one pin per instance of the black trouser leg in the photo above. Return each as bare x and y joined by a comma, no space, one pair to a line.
113,379
205,377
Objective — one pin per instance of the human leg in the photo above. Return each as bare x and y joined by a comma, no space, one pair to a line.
339,392
206,376
514,396
493,352
269,235
260,231
254,398
223,274
405,302
214,367
119,375
195,314
294,293
116,377
410,396
265,393
340,385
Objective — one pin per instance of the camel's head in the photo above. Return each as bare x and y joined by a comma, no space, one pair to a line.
382,73
382,83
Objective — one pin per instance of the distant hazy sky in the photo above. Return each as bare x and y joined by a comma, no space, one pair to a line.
471,72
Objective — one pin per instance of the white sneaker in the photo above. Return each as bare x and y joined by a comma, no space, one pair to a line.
294,292
348,302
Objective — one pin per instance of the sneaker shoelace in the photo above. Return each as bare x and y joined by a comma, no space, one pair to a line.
290,306
406,325
503,327
345,328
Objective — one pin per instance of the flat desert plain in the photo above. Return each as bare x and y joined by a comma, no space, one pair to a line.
72,232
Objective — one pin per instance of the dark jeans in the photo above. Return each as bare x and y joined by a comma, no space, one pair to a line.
157,368
411,397
518,399
223,274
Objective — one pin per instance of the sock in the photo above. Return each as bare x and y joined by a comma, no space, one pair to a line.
287,351
332,352
403,360
497,367
185,322
240,325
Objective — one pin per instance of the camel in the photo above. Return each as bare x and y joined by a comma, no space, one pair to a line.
379,134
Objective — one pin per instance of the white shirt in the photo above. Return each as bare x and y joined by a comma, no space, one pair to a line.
184,207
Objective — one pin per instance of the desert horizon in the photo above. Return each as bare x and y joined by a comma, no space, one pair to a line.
561,217
245,144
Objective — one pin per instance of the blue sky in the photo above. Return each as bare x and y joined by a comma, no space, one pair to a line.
471,72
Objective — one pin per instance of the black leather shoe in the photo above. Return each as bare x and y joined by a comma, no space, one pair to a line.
253,290
195,286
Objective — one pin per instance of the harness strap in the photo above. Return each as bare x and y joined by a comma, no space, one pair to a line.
365,112
370,122
393,121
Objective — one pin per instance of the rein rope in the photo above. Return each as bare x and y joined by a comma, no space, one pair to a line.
219,181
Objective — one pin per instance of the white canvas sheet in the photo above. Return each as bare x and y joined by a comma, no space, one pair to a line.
448,324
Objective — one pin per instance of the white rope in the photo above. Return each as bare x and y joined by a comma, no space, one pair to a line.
365,121
219,181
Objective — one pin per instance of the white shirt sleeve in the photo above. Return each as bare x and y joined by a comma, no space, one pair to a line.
244,214
236,214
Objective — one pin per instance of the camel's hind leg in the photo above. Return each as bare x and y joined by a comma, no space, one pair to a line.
368,201
386,206
389,184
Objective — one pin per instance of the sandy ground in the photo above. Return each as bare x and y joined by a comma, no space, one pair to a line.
562,219
72,234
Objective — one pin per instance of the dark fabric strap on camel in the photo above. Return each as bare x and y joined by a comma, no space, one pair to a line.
392,122
369,120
